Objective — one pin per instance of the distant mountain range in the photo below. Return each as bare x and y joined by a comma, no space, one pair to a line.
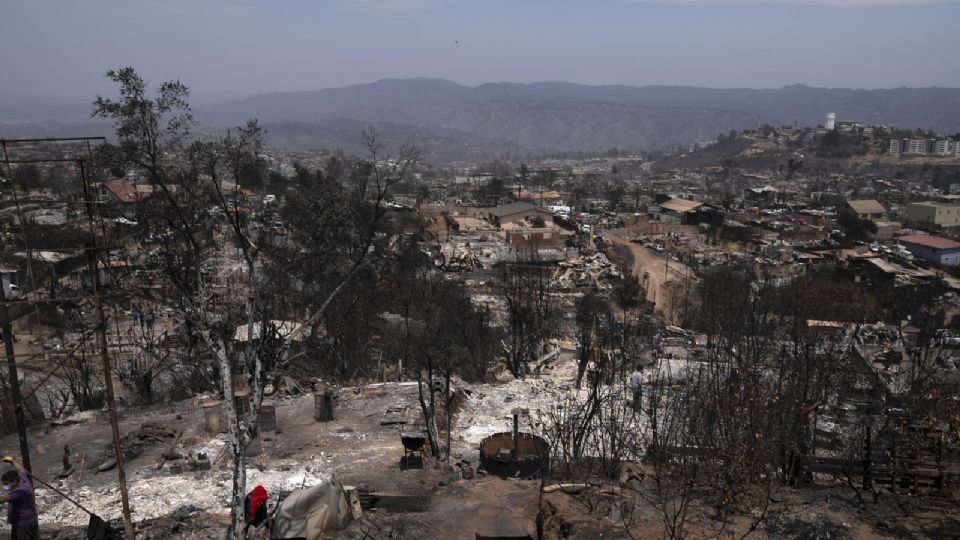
459,122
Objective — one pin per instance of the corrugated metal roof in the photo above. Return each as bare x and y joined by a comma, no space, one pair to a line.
866,206
512,208
930,241
681,205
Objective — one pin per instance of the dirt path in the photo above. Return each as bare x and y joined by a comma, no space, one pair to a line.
653,269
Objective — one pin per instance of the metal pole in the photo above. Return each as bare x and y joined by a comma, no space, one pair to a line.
128,530
14,379
15,396
111,402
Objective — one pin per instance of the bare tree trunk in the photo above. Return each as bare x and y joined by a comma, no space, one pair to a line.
449,401
235,440
429,418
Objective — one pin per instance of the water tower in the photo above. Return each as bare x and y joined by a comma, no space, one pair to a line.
831,121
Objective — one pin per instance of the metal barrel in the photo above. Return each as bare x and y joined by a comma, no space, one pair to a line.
323,404
255,448
268,418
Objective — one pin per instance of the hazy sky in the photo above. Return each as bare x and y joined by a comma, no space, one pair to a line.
61,48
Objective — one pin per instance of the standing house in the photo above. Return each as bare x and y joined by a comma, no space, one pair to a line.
516,211
684,209
543,196
763,194
933,248
867,209
124,194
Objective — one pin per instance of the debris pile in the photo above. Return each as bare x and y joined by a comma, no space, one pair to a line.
176,463
461,261
469,252
134,443
152,497
587,271
488,409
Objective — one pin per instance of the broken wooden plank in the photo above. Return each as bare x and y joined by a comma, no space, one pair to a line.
394,416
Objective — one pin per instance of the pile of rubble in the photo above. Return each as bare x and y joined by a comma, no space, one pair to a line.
487,411
465,254
587,271
152,496
134,443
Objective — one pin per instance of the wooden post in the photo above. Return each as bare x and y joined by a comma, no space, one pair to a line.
893,467
323,404
867,480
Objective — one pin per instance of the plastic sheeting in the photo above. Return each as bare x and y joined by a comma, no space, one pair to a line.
310,512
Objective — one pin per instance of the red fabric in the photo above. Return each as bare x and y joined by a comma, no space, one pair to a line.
258,499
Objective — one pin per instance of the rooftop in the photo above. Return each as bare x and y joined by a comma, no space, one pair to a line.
511,208
867,206
681,205
931,241
124,191
934,204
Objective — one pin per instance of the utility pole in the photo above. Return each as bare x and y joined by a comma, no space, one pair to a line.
14,377
128,530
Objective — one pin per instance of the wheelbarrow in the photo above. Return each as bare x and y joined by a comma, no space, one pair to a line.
413,443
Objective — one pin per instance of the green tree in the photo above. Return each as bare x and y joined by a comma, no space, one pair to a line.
857,229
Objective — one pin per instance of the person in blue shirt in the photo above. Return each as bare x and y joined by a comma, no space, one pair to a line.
21,506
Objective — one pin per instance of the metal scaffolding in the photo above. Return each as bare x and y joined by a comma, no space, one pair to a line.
95,243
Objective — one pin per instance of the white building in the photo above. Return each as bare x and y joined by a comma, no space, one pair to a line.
831,121
943,147
915,146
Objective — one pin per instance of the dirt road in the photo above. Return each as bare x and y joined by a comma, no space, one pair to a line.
653,269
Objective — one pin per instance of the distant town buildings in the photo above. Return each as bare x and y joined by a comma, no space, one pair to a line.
924,147
894,147
915,146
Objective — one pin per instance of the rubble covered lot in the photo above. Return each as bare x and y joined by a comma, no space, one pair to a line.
361,447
